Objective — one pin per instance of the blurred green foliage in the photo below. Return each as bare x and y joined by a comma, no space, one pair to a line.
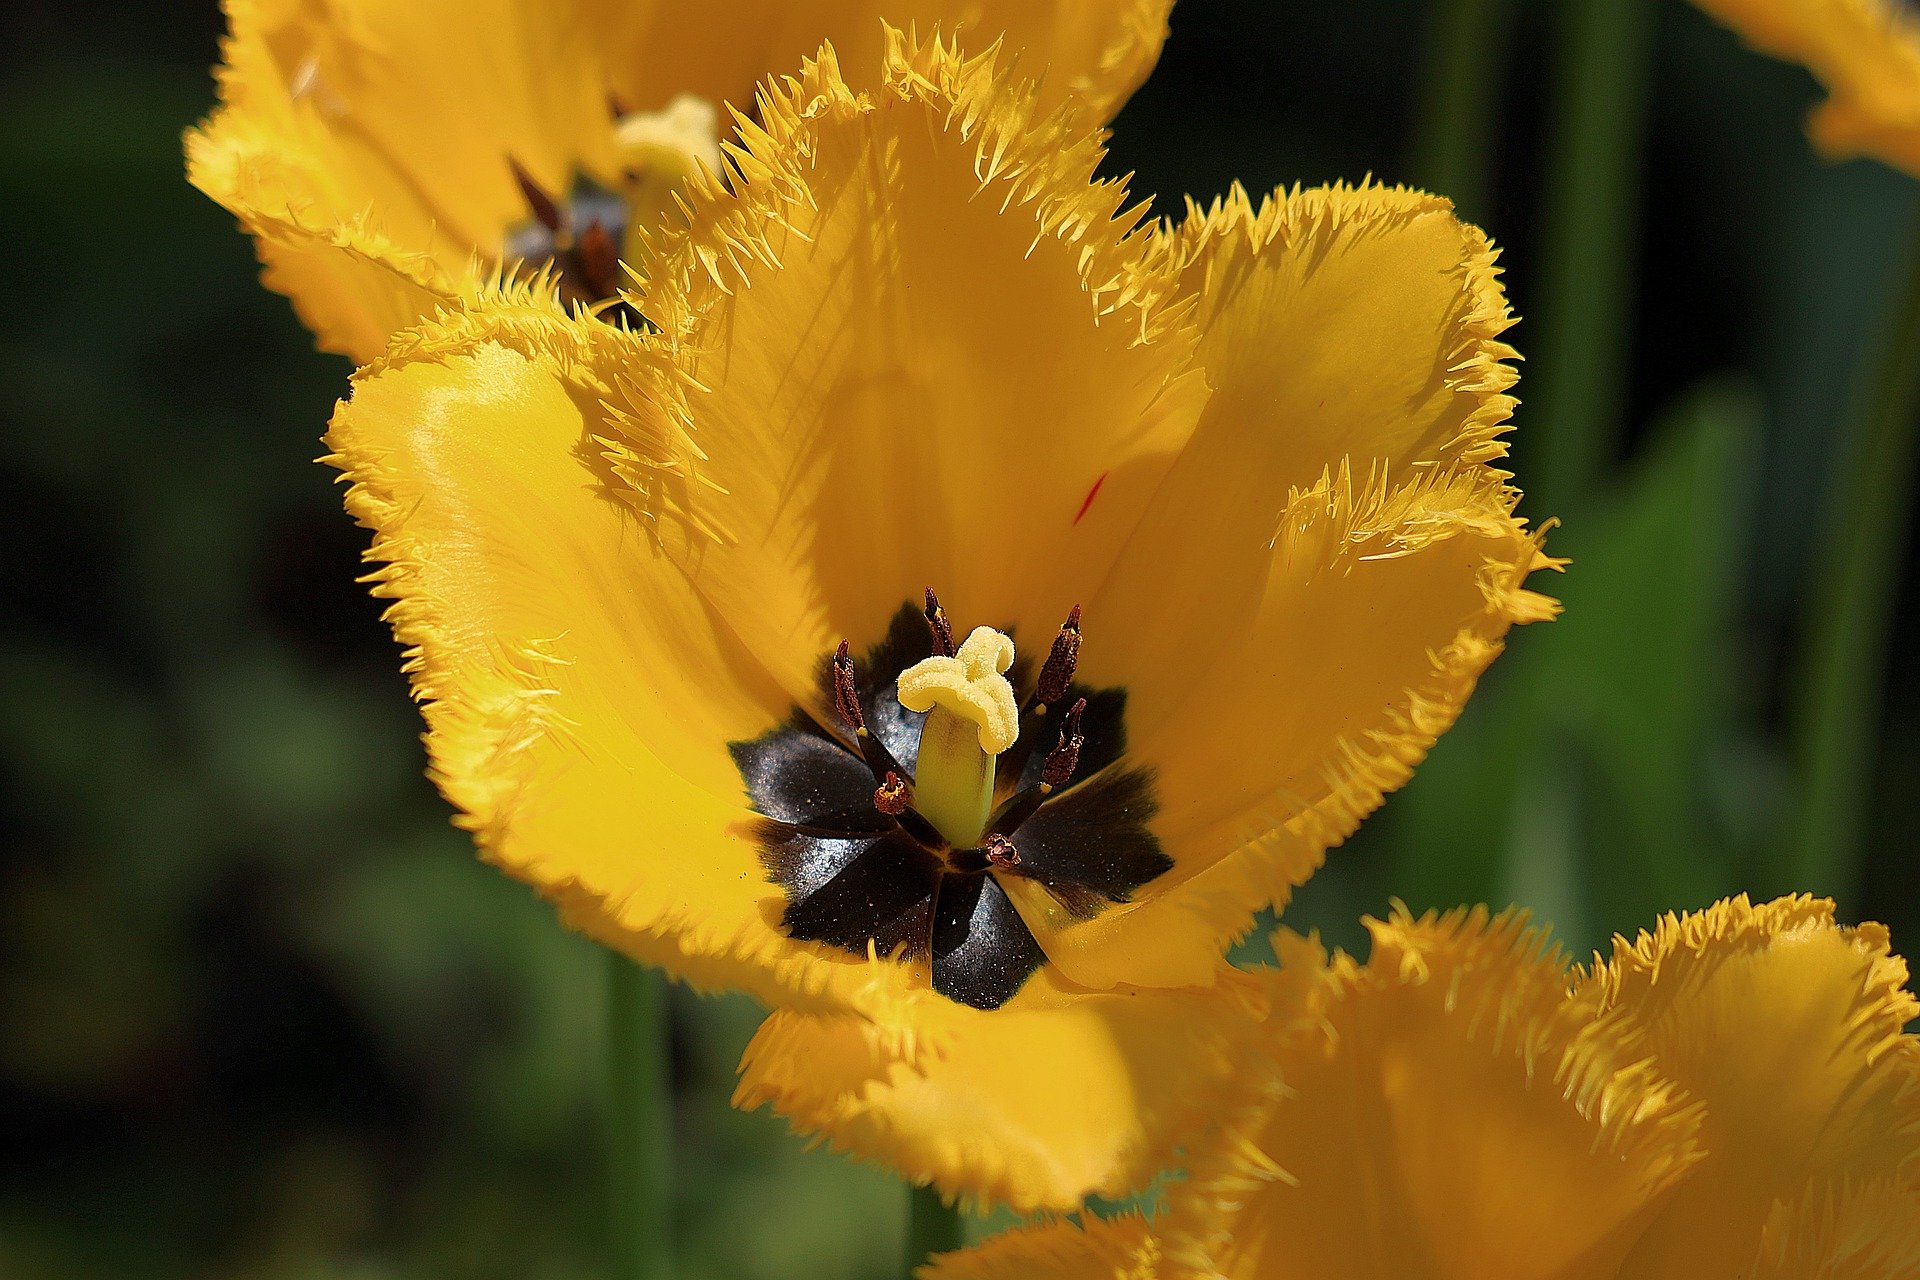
262,1014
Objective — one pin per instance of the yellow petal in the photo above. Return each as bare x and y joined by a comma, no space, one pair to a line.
1345,322
1788,1028
1444,1111
1282,692
385,128
1863,1232
1332,560
1097,51
1867,53
1057,1095
350,283
1171,934
578,694
1118,1248
855,321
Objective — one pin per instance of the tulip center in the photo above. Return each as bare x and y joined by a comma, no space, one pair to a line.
935,783
585,234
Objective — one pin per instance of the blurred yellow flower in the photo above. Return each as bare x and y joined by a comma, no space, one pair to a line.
1867,54
1729,1097
390,156
665,598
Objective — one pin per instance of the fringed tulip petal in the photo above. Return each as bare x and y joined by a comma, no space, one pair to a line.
1359,322
1340,475
579,695
366,145
1440,1111
1788,1028
1058,1095
1095,51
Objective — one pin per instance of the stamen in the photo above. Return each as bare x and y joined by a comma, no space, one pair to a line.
890,797
846,698
1000,851
545,209
1060,763
938,624
1055,772
1057,674
846,701
599,256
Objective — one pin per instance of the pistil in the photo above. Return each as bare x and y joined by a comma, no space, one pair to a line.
659,152
972,717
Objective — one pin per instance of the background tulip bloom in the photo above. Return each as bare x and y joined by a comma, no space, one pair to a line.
1729,1096
1866,52
666,595
391,156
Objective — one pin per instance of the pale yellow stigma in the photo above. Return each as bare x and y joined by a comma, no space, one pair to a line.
671,139
971,718
971,685
659,152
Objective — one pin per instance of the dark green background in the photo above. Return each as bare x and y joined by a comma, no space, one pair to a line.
261,1012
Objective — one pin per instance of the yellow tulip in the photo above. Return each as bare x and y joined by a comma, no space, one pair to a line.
1731,1096
1217,503
390,157
1867,54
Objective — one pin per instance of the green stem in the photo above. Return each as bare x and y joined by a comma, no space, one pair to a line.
1597,125
1850,608
933,1226
1460,78
639,1122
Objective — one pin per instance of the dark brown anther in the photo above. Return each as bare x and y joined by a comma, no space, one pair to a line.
890,797
846,698
617,107
1000,851
941,628
1057,674
545,209
1060,763
599,259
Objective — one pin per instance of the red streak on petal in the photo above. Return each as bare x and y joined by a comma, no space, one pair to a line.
1091,495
